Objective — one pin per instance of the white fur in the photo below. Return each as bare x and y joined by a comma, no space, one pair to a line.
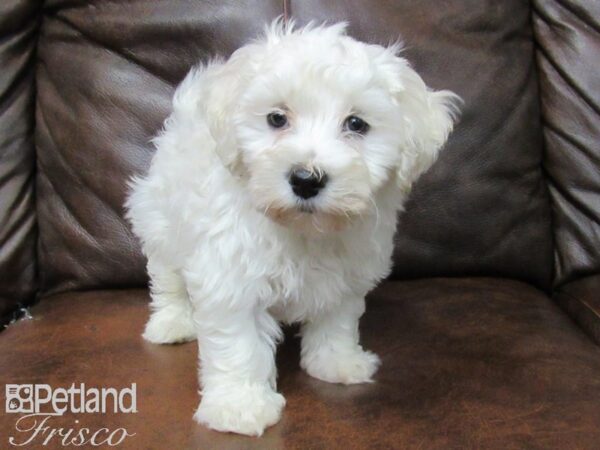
230,255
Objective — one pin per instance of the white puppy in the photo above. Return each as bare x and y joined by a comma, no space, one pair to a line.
272,197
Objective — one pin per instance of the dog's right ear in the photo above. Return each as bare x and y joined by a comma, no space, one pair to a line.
210,93
427,116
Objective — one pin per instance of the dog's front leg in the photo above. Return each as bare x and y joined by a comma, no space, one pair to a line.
330,346
237,369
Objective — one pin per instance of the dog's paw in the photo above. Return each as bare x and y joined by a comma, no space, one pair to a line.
341,367
169,326
245,409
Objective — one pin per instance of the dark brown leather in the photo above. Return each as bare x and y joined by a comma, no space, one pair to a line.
467,364
567,33
105,78
18,26
581,299
106,73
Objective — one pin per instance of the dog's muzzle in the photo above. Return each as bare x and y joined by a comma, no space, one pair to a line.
307,183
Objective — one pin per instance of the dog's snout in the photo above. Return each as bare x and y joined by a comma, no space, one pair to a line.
307,183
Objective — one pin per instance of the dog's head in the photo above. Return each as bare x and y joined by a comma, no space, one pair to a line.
315,123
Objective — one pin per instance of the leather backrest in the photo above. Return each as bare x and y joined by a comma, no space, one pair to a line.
107,69
568,38
18,27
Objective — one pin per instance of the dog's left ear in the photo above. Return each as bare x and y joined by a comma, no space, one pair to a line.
212,92
427,118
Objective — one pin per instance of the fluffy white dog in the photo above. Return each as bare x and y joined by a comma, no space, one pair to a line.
273,197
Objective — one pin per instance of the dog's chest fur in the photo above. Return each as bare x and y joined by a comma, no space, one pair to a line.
307,276
295,276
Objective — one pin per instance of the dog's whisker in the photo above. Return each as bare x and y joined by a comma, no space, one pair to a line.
372,201
268,207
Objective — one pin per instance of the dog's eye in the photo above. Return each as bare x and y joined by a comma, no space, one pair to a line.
277,119
356,125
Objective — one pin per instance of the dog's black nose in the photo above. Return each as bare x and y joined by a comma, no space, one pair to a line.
307,183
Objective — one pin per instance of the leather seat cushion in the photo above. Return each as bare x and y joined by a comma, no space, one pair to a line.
467,363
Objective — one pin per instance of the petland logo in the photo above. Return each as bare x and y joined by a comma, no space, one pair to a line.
39,403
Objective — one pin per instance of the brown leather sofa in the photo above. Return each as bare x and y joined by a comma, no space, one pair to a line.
489,325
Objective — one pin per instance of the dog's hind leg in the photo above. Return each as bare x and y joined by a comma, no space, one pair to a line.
171,317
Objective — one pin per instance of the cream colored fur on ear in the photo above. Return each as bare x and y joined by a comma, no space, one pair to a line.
426,132
431,119
211,92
